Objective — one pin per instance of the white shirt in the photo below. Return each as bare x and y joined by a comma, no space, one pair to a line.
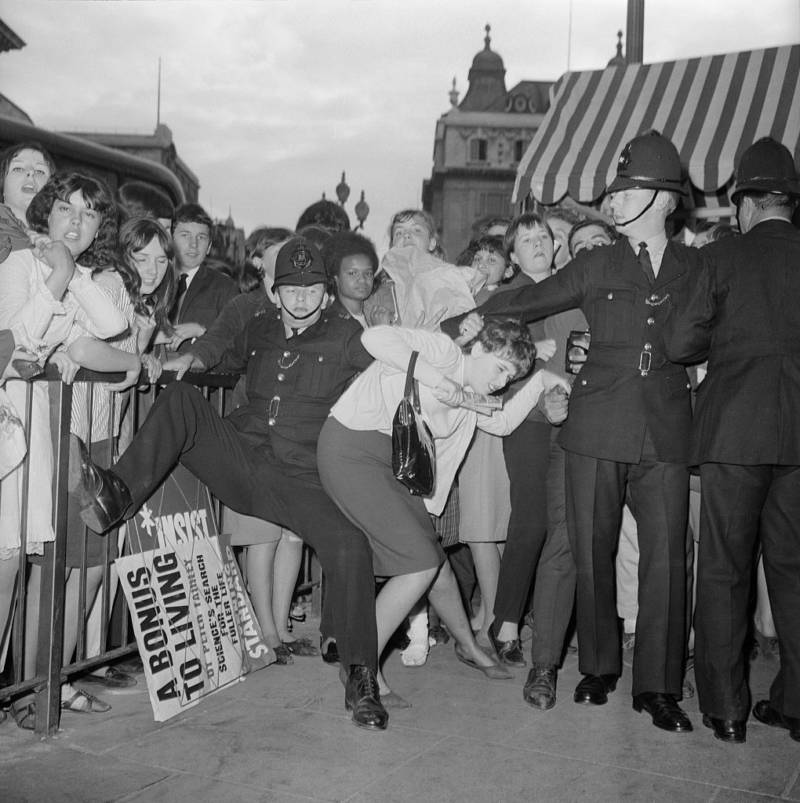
371,401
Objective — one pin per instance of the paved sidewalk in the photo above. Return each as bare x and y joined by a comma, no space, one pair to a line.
283,735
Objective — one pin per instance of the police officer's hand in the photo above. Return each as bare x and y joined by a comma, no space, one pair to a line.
180,363
185,331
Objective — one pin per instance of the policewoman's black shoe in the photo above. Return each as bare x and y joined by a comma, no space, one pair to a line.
104,498
362,697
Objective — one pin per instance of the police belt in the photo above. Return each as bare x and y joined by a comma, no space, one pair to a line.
293,409
623,358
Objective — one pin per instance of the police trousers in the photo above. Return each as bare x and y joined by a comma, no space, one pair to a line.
183,427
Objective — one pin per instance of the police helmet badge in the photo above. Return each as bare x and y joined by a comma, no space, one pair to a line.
624,158
301,259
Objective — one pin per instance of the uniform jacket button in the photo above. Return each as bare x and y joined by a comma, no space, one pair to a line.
648,346
651,321
281,376
584,382
320,358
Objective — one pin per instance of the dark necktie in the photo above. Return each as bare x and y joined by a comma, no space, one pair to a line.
181,292
645,263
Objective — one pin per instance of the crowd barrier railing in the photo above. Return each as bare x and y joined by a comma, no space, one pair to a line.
52,668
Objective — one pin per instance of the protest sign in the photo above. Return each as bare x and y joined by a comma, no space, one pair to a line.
193,620
179,512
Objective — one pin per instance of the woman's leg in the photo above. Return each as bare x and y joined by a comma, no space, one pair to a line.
8,574
288,557
393,603
72,616
486,556
446,598
259,564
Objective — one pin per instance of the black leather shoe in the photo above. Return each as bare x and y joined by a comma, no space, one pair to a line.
765,713
330,654
594,689
727,730
103,496
509,652
540,687
361,696
664,710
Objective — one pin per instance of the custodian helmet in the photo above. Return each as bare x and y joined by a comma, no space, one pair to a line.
649,161
766,166
299,262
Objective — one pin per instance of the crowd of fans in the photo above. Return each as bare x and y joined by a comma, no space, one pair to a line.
569,501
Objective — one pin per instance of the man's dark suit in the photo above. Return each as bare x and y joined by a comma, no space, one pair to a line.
205,297
744,316
628,425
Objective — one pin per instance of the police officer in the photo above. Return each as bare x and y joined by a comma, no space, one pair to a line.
743,317
627,429
261,459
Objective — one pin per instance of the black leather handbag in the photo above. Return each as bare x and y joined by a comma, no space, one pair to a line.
413,453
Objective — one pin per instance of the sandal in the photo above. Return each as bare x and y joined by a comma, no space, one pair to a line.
24,716
93,705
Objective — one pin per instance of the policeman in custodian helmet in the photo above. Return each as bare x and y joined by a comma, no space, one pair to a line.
743,318
627,431
261,458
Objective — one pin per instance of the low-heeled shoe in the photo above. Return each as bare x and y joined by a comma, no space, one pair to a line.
765,713
727,730
493,671
330,654
362,697
509,652
540,687
664,711
103,496
594,689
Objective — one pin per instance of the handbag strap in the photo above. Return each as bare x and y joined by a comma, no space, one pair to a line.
412,388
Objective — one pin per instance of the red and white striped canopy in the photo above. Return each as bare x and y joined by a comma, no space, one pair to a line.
712,108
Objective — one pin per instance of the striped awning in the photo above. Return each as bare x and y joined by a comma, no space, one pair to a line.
712,108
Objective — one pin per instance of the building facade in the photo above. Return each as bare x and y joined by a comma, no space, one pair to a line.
477,147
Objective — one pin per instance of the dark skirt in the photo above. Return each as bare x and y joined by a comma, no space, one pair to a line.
356,472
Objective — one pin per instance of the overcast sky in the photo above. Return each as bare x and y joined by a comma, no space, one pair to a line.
270,100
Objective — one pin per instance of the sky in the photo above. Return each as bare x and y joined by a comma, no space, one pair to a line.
270,100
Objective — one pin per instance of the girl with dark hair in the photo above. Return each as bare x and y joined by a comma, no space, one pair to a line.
49,300
24,168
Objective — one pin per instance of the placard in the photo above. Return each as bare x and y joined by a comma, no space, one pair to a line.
194,624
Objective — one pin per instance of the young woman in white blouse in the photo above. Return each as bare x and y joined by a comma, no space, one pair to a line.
48,299
354,458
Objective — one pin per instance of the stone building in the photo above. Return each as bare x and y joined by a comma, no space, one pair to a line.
477,147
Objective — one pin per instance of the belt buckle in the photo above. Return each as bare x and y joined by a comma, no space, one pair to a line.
272,410
645,361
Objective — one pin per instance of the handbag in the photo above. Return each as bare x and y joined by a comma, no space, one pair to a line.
413,453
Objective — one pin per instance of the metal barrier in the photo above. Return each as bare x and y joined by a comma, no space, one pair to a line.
50,669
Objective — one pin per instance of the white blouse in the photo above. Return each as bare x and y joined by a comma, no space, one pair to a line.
370,402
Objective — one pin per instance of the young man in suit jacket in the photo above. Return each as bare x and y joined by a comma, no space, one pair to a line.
202,291
743,317
628,428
